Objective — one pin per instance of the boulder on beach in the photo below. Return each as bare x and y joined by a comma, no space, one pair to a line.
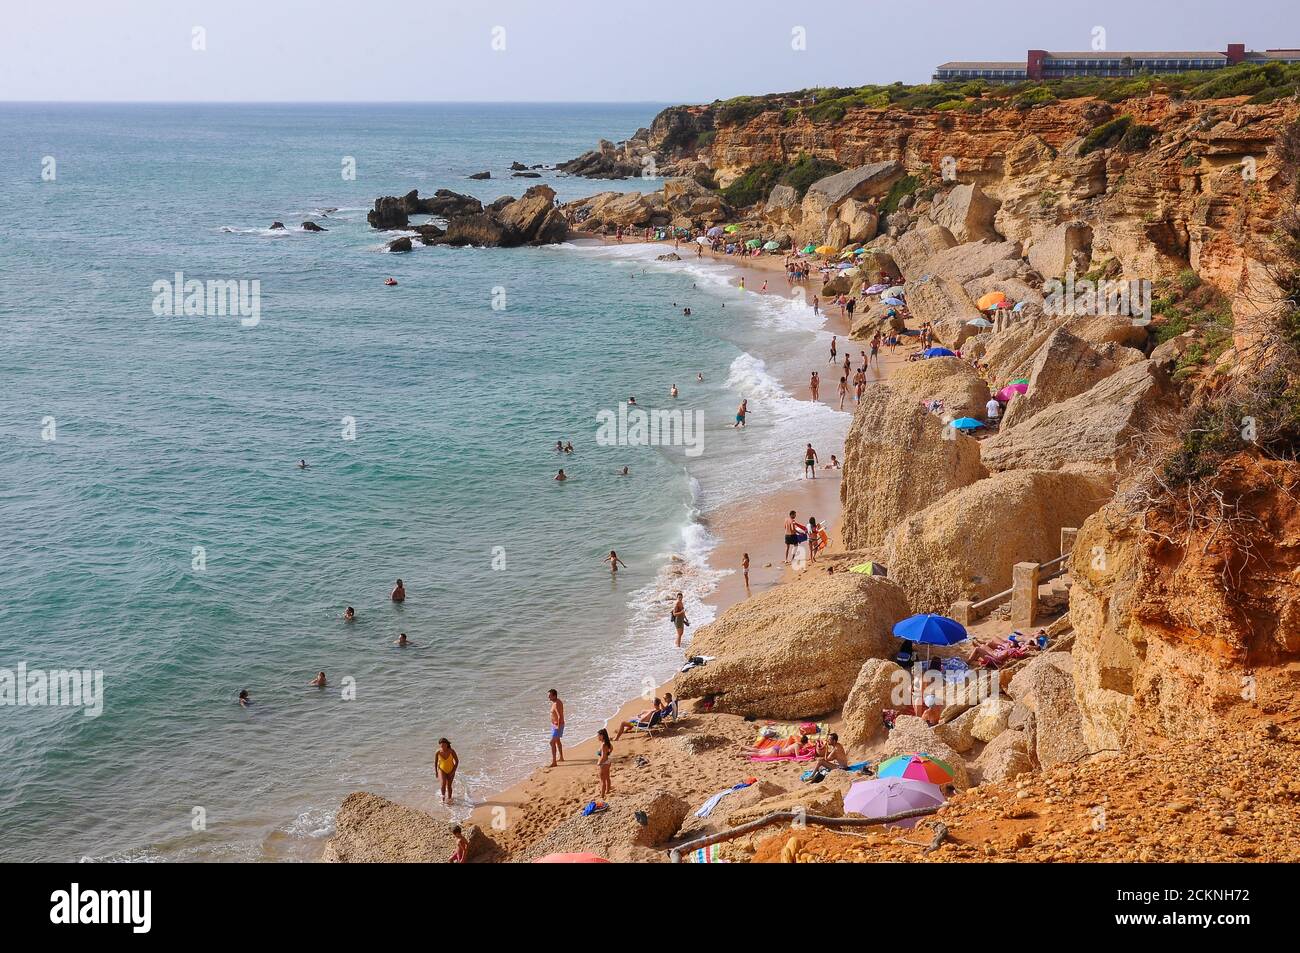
948,379
631,830
1103,427
880,684
892,439
971,260
967,213
945,304
795,651
917,247
965,545
1005,757
1046,686
370,829
1065,367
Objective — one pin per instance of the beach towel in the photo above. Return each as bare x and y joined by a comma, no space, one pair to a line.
594,807
862,767
774,759
707,807
783,731
706,855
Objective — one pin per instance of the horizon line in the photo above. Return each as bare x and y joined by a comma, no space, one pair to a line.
335,102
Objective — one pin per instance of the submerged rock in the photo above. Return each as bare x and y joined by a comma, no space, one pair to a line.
313,227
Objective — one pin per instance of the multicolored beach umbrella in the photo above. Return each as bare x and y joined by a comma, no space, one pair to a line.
916,767
991,300
930,629
1019,380
881,797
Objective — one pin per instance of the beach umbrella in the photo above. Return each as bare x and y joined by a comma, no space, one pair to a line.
895,292
579,858
965,423
881,797
916,767
937,352
1011,390
869,569
929,629
825,250
753,243
715,232
770,246
1020,306
896,302
849,272
732,228
1019,380
860,251
980,323
703,241
991,300
875,289
809,249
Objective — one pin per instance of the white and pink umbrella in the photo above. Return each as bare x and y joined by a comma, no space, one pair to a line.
881,797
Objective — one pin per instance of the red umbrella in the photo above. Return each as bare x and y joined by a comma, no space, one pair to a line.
580,858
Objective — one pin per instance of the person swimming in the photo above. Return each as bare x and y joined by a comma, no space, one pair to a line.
403,641
318,681
244,700
625,472
614,562
399,592
559,446
631,401
303,465
349,614
568,447
560,476
390,281
699,378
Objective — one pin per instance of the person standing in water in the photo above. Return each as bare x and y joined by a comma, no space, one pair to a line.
560,476
557,728
834,342
741,413
446,761
815,384
844,390
614,562
679,618
817,308
810,462
673,391
744,568
602,763
399,592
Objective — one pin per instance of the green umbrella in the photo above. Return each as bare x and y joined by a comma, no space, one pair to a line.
770,246
732,228
753,243
809,249
1019,380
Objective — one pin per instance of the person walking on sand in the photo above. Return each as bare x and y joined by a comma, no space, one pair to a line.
744,568
848,363
446,761
614,562
678,615
741,413
602,763
844,390
834,341
399,592
557,728
809,462
763,290
791,536
814,384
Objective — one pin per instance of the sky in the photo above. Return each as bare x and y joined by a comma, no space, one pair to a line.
562,50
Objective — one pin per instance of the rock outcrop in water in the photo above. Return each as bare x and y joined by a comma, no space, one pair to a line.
531,219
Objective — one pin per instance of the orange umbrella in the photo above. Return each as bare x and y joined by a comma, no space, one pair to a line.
581,858
991,300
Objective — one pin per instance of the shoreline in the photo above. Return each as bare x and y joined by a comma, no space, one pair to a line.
752,526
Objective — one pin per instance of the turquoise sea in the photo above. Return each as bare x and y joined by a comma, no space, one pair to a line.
154,526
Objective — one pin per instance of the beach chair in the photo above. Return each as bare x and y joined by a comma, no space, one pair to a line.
654,721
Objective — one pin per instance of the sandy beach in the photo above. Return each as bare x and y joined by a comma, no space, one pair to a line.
518,815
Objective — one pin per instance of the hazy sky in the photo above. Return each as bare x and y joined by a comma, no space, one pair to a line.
563,50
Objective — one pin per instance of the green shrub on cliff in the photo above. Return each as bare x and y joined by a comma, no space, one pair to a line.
806,170
753,186
900,189
1106,135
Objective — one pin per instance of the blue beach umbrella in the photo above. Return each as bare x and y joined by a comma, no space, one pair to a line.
937,352
929,629
894,302
1020,306
965,423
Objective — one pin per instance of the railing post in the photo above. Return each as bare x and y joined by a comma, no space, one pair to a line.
961,612
1068,536
1024,595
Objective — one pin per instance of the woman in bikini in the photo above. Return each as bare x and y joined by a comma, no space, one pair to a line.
602,765
790,748
614,562
446,761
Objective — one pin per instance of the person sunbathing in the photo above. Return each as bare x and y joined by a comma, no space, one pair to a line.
642,720
832,754
790,748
